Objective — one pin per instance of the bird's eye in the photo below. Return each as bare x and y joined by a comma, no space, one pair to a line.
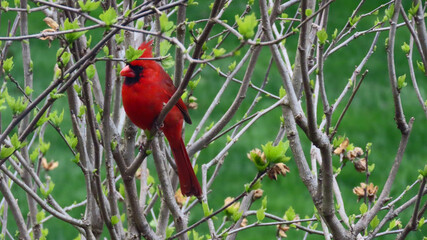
138,68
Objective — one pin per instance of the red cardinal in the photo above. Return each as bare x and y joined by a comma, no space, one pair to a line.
147,87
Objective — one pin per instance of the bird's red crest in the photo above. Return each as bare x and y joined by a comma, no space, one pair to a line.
148,53
146,46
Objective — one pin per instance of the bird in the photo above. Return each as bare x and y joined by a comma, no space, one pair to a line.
145,91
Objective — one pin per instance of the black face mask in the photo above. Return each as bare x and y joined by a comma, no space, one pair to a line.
132,80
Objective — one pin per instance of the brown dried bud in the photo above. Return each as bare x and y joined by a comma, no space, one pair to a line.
399,224
233,208
281,230
358,151
257,194
360,165
355,153
244,222
51,23
256,153
359,191
138,173
296,219
192,102
49,165
278,169
57,70
342,147
193,105
371,191
228,200
258,158
48,30
179,198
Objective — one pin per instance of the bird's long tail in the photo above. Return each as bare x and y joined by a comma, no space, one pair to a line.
187,178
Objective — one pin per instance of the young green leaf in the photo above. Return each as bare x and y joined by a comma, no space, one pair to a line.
401,83
2,101
193,84
354,20
109,17
371,167
334,35
164,48
40,216
122,190
423,172
260,214
132,54
71,37
165,24
82,111
374,223
114,219
90,72
55,118
363,208
28,90
120,37
71,139
76,159
65,58
276,154
219,52
6,152
232,66
405,47
15,142
8,64
16,105
420,223
290,214
44,147
139,23
392,224
264,202
421,66
247,25
255,186
322,36
55,95
282,92
236,215
89,6
113,145
337,141
169,232
168,62
413,10
46,192
206,210
314,226
5,4
389,12
34,154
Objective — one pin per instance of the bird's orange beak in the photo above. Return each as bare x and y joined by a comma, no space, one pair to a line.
127,72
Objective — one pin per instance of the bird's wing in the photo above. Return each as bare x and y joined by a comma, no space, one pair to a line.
170,89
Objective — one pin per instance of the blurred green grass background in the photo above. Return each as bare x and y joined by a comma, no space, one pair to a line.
370,119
